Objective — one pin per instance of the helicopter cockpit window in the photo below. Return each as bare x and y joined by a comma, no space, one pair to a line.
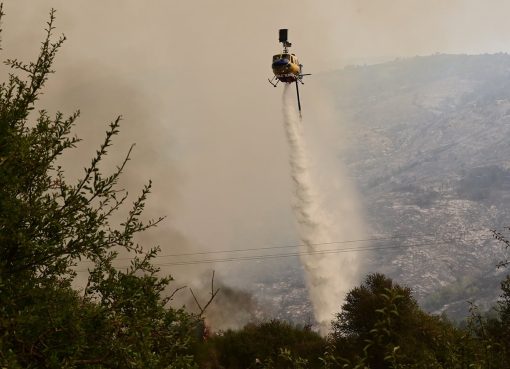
282,56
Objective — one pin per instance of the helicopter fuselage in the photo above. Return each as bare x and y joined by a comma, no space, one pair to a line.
286,67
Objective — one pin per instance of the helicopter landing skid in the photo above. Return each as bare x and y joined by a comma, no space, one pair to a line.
271,82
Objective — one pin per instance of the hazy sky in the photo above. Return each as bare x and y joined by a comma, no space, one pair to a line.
329,33
190,79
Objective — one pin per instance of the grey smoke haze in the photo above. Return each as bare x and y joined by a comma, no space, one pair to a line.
232,308
189,79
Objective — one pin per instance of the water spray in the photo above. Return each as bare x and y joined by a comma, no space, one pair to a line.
325,275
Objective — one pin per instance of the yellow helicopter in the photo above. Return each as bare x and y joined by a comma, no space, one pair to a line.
286,66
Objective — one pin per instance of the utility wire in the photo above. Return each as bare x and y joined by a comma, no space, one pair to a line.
319,251
296,245
278,247
313,252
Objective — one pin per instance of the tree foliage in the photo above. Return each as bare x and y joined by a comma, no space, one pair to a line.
272,344
48,226
382,322
357,317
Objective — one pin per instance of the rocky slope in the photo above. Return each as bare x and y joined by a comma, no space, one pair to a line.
430,152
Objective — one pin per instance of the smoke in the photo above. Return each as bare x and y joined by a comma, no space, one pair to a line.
328,276
189,79
231,307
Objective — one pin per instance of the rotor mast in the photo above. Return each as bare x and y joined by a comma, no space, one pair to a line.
283,34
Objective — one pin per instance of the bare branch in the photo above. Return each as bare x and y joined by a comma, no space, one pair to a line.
213,295
169,298
196,301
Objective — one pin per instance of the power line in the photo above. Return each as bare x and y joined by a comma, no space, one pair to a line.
278,247
296,245
313,252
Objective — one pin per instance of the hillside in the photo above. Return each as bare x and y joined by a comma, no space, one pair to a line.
429,153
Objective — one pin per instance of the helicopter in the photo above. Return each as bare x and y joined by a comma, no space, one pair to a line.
286,66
